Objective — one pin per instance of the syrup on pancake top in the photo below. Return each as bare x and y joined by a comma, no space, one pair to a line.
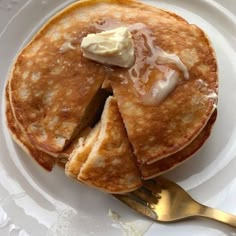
160,69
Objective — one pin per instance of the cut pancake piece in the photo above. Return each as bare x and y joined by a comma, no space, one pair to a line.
111,165
81,152
170,162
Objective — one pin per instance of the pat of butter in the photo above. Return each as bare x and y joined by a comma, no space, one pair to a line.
111,47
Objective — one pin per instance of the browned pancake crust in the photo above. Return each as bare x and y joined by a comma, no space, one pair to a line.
168,163
41,158
111,165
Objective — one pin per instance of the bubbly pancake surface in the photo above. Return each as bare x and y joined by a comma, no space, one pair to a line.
81,152
111,165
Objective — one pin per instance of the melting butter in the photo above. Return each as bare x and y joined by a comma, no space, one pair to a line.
111,47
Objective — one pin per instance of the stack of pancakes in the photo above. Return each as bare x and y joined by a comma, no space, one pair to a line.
63,108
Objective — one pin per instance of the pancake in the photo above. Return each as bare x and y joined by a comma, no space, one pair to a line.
111,165
171,162
81,152
53,61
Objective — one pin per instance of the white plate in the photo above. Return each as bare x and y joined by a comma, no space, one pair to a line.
34,202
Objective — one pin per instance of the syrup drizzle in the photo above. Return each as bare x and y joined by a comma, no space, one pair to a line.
152,76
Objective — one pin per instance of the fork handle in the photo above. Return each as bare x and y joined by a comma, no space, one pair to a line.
217,215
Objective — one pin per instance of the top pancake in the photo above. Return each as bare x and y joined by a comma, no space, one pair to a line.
52,84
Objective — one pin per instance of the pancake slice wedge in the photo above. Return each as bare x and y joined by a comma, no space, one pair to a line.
170,162
111,165
81,152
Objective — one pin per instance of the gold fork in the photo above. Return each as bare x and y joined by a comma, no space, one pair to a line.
165,201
